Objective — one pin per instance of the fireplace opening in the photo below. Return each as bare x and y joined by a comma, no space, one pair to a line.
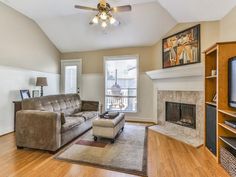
181,114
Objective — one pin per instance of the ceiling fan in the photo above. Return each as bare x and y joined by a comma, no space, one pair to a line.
105,11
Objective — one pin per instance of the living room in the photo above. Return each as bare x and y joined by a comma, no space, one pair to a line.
118,88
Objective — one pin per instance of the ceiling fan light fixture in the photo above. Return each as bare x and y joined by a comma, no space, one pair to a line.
104,24
103,15
115,9
95,19
105,12
112,20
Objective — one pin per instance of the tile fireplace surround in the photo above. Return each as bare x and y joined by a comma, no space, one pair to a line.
190,136
181,85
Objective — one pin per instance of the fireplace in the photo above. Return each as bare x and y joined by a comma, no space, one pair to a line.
181,114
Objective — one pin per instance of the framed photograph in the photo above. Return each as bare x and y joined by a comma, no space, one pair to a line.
215,98
35,93
25,94
182,48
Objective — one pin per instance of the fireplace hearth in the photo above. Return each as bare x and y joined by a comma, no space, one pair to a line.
181,114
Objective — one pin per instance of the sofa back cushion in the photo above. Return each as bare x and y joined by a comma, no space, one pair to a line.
66,103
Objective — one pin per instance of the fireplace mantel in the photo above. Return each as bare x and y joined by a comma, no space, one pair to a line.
182,78
194,70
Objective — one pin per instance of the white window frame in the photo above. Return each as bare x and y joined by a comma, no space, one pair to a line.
122,57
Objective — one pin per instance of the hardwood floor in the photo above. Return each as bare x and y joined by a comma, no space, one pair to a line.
166,158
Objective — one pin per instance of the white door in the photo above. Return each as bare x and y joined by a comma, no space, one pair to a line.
71,71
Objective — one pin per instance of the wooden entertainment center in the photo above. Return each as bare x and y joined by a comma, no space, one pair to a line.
216,59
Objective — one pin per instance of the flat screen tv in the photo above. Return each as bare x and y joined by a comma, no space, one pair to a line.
232,82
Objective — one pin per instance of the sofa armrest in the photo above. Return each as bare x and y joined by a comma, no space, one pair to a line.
38,129
90,106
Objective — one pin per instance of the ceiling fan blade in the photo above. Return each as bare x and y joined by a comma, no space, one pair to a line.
85,8
126,8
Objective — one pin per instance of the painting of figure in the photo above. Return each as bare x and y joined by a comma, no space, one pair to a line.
182,48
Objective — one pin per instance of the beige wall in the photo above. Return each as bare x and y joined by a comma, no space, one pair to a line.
228,27
25,53
211,32
150,59
93,60
24,45
93,86
209,35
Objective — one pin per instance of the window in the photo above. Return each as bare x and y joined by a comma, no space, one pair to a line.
121,84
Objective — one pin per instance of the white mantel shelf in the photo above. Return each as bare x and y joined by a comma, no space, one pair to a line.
181,78
194,70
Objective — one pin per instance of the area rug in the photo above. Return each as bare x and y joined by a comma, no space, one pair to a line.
128,154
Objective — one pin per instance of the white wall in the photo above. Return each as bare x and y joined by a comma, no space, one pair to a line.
11,81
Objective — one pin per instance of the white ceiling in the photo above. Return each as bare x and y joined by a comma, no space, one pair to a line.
198,10
148,22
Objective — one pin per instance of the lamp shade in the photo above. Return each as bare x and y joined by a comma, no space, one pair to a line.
41,81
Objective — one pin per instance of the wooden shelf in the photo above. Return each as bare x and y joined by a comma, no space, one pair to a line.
211,49
229,141
211,77
228,112
216,58
211,103
233,130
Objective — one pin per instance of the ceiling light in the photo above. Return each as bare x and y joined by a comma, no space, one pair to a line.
95,20
104,24
103,15
112,20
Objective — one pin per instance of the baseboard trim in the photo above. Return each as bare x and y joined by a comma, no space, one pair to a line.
7,134
139,120
147,122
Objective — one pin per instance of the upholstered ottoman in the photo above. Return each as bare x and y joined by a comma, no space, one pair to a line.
108,128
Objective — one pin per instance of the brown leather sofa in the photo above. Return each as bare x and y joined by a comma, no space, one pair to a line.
50,122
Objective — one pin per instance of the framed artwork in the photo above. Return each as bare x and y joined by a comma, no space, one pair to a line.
182,48
25,94
35,93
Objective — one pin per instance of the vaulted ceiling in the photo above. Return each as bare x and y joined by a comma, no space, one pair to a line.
147,23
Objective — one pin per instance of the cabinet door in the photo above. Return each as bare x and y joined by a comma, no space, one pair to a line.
211,128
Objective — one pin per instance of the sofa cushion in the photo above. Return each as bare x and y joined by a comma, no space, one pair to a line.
90,106
71,122
86,114
69,103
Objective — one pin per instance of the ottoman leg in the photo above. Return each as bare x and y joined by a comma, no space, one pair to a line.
112,141
95,138
122,128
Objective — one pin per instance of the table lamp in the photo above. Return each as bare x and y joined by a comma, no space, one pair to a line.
41,81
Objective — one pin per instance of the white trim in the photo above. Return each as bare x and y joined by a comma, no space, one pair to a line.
183,78
26,69
123,57
139,119
195,70
72,61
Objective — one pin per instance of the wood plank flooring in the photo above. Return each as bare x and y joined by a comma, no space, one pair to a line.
166,158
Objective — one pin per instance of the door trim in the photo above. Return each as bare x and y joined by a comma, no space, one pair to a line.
80,61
